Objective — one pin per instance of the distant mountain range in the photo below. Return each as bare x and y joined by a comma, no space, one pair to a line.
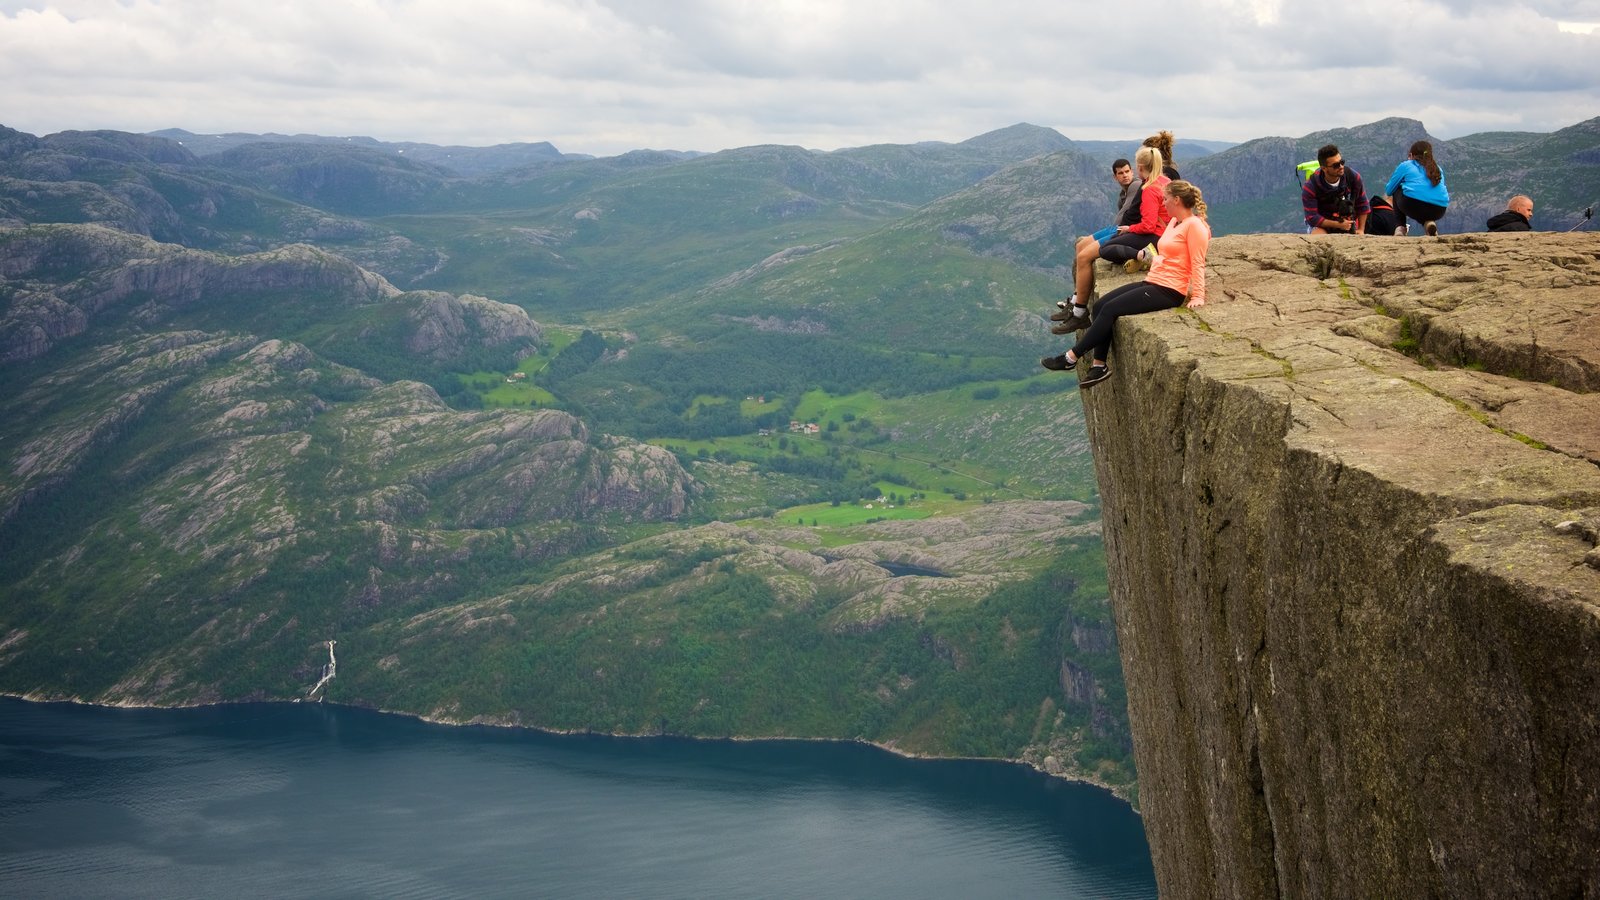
244,193
463,161
476,161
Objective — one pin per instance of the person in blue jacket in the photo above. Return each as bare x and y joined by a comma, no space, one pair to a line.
1417,189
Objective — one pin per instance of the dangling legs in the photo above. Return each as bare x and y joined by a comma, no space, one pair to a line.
1130,299
1074,314
1083,273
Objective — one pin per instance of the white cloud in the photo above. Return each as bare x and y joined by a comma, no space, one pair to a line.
604,76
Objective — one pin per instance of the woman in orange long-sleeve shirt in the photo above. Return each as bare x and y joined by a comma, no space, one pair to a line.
1179,273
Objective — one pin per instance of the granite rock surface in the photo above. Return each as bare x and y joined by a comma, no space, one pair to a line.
1351,509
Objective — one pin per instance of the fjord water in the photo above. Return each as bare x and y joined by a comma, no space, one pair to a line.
310,800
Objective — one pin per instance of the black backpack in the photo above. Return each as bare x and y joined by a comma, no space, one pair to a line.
1383,219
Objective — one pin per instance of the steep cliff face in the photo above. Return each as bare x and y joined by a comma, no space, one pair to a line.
1358,591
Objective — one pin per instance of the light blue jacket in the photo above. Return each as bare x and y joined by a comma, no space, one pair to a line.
1414,178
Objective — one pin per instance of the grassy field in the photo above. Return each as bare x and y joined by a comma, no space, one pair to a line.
856,515
861,512
900,474
750,407
499,391
821,407
998,440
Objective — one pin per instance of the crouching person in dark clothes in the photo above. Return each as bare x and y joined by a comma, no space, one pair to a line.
1179,273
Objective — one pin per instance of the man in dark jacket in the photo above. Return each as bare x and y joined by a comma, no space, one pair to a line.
1334,199
1517,217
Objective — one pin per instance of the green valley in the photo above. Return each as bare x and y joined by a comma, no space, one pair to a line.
718,455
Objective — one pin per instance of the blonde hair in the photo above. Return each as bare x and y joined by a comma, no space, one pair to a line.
1188,195
1149,158
1161,140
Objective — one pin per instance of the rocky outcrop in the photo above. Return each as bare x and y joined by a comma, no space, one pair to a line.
446,326
1357,591
58,278
14,143
128,379
237,462
501,467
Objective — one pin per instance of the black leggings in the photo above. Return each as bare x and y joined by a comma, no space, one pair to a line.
1416,209
1128,300
1119,248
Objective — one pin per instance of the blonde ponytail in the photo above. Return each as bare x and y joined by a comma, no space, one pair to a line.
1149,158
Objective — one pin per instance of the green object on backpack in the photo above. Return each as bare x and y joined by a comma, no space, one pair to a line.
1304,170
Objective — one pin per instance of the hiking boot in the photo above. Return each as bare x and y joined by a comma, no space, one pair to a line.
1432,228
1071,324
1096,374
1058,363
1066,314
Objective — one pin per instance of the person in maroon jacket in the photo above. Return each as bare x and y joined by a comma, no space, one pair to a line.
1333,198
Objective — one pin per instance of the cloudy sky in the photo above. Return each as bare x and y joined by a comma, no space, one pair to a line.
605,76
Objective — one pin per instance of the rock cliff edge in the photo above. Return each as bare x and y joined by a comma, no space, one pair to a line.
1351,509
